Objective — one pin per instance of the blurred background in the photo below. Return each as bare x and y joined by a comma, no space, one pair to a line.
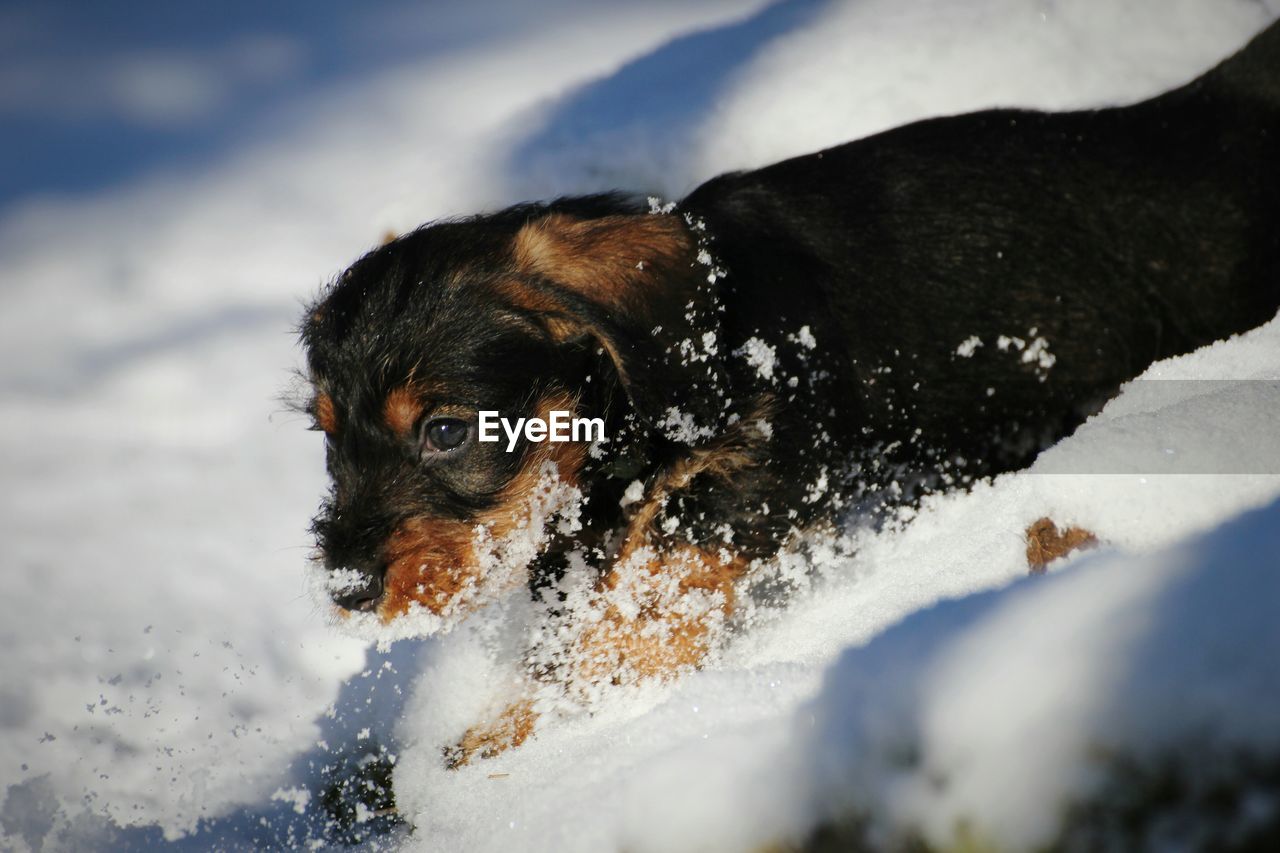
91,97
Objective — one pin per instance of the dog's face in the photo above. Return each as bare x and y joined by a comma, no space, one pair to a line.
513,313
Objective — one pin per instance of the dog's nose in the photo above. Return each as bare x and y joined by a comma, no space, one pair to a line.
363,597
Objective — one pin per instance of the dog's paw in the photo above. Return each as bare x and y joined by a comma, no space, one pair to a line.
1046,543
512,728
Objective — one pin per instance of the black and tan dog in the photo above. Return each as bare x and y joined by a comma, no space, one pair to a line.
920,307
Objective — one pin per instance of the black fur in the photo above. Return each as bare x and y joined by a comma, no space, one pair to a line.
1118,236
1121,235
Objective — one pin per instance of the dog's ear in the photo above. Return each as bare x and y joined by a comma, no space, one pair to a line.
636,285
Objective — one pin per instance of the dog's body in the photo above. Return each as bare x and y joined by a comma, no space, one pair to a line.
932,303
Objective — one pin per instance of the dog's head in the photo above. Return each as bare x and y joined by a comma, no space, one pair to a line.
575,306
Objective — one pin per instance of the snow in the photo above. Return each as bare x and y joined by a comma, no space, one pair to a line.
1036,351
683,427
929,641
760,355
167,670
634,492
996,710
969,346
1126,655
805,338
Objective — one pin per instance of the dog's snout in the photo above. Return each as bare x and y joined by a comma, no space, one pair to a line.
361,594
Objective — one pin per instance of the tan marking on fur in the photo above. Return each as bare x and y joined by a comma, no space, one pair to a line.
511,728
658,643
430,561
609,260
325,415
518,293
1046,543
401,410
389,236
626,264
718,460
654,640
727,454
562,329
559,325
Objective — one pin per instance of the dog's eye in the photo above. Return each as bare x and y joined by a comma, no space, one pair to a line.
440,435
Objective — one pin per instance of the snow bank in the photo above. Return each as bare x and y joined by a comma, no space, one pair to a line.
904,692
1036,713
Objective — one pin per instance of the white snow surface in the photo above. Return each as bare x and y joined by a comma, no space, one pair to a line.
166,672
930,640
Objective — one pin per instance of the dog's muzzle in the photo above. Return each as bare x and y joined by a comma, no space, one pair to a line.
357,590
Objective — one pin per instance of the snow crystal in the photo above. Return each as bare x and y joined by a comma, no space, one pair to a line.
656,205
1035,353
969,346
633,493
1038,353
690,353
804,337
1004,342
344,580
682,427
299,798
697,224
704,256
817,488
760,355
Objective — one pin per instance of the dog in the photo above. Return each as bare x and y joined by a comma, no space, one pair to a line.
783,346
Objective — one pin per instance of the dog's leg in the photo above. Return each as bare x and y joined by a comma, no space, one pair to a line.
653,615
657,610
660,606
658,613
515,722
510,728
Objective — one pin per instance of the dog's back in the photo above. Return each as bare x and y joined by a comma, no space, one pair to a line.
987,278
1252,74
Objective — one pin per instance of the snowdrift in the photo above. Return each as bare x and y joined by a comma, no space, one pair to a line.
926,689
